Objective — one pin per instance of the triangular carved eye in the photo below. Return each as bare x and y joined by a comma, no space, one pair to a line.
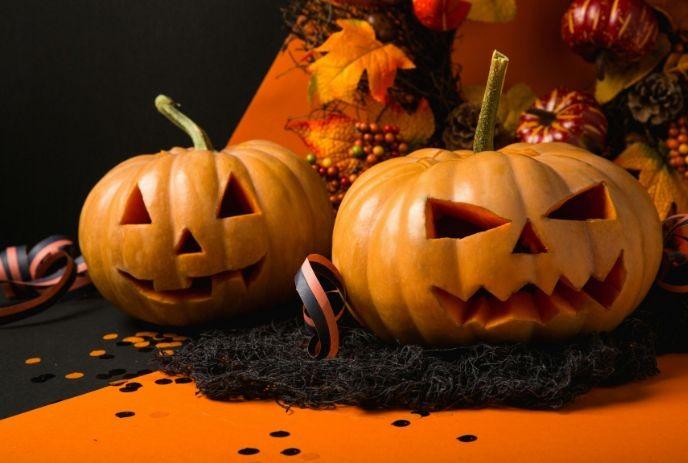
447,219
590,204
234,201
135,211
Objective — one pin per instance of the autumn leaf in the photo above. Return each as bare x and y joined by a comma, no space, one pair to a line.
677,63
618,77
512,103
494,11
666,188
515,101
349,53
329,136
675,10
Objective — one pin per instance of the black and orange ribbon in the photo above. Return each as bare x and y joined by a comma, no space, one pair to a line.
322,291
32,280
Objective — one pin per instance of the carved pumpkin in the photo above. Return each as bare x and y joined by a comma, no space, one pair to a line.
191,235
530,241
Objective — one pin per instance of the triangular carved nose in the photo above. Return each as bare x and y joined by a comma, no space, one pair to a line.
529,242
187,244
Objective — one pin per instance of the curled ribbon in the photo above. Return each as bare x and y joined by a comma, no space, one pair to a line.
322,291
33,280
673,273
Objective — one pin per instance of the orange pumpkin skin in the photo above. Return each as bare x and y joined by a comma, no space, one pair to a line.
529,242
201,259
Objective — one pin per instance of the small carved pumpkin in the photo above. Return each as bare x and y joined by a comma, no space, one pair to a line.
530,241
191,235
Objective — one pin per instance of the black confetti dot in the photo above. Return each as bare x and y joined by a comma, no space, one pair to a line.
144,372
248,451
290,452
42,378
421,413
145,349
279,433
106,356
163,381
130,387
126,414
124,343
129,375
467,438
183,380
117,371
103,376
401,423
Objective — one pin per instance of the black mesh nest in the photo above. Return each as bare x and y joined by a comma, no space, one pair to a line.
269,361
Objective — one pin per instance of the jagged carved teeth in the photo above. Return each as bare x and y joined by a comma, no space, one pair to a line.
531,303
199,287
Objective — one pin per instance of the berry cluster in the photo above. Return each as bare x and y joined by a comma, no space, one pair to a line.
677,142
373,144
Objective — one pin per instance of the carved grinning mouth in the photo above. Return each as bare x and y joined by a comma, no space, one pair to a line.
531,303
200,287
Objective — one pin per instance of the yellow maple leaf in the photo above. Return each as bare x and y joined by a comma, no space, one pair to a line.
349,53
666,188
494,11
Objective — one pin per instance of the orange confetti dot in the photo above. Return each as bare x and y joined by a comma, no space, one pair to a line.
110,336
146,334
169,335
165,345
74,375
180,338
167,352
133,339
142,344
33,361
97,352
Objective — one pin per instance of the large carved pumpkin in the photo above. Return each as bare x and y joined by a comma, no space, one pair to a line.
531,241
191,235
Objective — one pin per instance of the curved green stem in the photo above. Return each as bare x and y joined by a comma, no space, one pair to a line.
484,133
168,108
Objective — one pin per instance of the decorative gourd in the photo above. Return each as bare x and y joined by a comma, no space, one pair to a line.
530,241
564,115
622,29
192,235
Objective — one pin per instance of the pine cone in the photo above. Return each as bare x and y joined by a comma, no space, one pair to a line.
460,127
656,99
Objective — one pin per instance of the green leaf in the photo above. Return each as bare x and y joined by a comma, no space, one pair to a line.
492,11
618,77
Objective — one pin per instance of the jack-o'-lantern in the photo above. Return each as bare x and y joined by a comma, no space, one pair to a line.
192,235
530,241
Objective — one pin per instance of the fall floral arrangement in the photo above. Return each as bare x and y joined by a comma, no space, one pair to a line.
382,83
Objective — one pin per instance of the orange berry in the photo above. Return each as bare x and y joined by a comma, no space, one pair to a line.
683,148
672,143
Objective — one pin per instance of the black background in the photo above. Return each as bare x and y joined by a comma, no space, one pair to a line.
77,83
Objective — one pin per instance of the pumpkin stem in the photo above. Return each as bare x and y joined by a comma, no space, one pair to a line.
484,132
168,108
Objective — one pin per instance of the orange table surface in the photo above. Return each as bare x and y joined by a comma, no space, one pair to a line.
642,422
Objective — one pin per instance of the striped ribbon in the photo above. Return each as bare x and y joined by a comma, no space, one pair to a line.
673,273
32,280
322,291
